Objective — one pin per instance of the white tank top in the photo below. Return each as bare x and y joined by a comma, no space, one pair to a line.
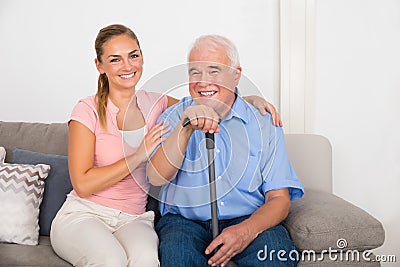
134,137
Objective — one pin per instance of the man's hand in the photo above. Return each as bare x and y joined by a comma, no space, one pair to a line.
202,118
236,238
233,240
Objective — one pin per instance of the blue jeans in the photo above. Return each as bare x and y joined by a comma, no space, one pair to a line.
183,242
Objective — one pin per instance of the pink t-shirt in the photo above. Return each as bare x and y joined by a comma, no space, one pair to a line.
130,194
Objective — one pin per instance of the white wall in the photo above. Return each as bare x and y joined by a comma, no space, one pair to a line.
47,47
357,104
341,79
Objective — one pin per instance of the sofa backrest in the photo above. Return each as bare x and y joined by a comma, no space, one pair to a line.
310,155
46,138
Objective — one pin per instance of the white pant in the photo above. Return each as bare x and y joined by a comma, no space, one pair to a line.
88,234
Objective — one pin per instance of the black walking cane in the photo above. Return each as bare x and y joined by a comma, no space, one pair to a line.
210,145
211,177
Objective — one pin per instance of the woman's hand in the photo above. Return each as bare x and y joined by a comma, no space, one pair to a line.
263,106
151,140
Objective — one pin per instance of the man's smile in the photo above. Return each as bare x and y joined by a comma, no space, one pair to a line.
207,93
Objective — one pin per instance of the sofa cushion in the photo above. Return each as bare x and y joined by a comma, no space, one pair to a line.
339,259
21,192
321,220
57,184
33,256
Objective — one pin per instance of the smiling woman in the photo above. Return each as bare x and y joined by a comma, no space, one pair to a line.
107,204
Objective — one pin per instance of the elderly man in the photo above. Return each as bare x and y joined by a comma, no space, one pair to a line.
255,180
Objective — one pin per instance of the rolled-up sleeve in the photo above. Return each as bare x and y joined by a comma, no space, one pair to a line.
277,171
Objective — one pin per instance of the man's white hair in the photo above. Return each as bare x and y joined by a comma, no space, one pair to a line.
215,41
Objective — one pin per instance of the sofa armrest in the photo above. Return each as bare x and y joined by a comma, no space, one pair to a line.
321,220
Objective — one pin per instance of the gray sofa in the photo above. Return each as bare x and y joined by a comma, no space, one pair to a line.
327,230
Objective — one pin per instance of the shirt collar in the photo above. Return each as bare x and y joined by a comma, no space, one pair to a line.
239,110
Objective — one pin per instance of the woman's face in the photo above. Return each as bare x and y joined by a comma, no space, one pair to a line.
121,61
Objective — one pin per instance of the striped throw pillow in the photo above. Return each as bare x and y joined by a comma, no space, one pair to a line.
21,192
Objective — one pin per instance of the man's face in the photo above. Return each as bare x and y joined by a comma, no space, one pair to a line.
211,79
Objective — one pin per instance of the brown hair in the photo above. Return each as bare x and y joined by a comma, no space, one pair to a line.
103,89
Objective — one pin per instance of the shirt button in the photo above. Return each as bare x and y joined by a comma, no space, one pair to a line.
222,203
218,150
219,178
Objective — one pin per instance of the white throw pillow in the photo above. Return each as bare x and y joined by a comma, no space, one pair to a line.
2,154
21,192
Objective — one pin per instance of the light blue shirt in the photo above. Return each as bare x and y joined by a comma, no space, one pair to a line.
250,160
